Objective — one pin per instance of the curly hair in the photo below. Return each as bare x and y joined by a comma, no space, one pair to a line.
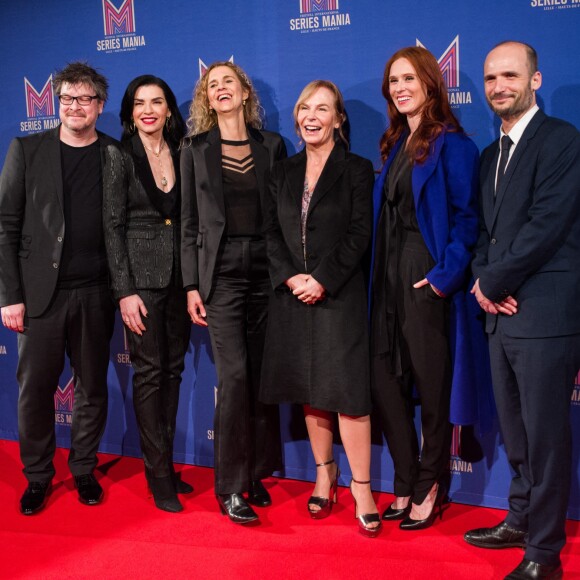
80,73
173,130
436,114
202,119
339,108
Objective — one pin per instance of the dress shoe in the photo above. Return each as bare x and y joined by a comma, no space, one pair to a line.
410,524
34,497
528,570
236,508
90,491
258,494
500,536
164,494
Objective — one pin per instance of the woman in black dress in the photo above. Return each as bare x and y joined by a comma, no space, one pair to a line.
224,164
318,226
142,199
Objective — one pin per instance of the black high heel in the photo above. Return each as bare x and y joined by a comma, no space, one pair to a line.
391,513
164,494
181,487
441,500
324,504
365,519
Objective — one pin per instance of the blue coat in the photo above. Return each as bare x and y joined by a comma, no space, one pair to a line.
445,189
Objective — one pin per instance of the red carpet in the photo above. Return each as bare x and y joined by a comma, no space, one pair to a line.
127,537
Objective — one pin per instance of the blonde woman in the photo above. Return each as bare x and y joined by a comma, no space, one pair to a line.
224,167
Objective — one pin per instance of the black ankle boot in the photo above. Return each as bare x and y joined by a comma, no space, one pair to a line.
164,494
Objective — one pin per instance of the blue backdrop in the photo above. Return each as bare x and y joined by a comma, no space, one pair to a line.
282,44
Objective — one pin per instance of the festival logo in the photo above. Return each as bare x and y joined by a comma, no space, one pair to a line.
449,65
554,4
576,392
456,464
203,67
120,30
319,16
40,109
3,349
63,404
123,357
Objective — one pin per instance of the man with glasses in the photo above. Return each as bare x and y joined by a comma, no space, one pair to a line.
53,282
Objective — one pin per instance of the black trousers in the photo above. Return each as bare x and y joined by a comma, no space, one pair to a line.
533,379
157,357
79,322
246,432
423,335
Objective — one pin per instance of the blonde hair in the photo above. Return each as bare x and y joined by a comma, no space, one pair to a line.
339,109
202,118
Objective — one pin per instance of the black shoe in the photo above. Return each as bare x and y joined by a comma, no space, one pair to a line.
164,494
181,487
500,536
410,524
90,491
258,494
236,508
34,497
528,570
391,513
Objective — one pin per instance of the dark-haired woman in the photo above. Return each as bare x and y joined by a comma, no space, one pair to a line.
224,166
142,234
426,205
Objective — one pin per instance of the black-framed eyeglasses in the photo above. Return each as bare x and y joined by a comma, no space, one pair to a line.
82,100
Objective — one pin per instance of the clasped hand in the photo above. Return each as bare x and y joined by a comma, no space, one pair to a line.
507,306
306,288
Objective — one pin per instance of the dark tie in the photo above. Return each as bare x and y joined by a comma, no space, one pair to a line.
504,154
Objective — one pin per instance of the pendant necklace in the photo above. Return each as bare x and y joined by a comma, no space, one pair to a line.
158,155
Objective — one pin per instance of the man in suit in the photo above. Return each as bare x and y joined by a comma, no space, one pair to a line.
527,272
53,281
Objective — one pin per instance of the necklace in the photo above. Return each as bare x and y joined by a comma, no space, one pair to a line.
158,155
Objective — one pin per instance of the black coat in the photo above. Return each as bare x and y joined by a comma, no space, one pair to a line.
32,228
318,354
203,216
143,244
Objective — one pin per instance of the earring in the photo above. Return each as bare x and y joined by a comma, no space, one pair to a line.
244,103
167,121
132,126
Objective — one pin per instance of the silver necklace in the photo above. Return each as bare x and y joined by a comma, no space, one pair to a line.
158,155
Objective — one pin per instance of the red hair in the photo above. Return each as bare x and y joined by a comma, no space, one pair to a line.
436,115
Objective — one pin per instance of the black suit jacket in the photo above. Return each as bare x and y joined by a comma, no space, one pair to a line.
142,243
529,245
32,228
202,201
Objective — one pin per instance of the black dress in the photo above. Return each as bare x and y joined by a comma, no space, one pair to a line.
318,354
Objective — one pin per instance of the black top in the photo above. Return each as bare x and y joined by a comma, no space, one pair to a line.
84,261
240,187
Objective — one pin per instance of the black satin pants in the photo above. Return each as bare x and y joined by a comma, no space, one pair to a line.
79,323
246,432
157,357
423,344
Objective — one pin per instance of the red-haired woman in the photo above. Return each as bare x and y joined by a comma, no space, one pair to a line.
426,226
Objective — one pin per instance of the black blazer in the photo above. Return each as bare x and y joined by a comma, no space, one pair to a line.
32,218
339,219
142,243
202,201
529,245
